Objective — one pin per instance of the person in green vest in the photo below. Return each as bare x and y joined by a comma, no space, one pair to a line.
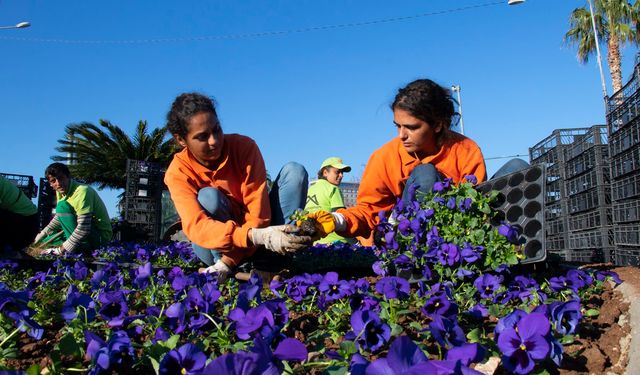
324,193
81,215
18,218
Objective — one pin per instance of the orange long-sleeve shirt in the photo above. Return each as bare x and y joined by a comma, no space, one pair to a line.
242,177
389,168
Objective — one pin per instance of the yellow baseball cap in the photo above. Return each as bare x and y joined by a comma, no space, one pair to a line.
337,163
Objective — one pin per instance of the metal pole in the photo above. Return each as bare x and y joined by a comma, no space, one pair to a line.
595,34
456,89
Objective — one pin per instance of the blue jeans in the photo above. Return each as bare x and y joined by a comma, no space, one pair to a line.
425,175
288,193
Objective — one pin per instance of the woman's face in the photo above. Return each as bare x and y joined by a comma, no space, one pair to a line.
333,175
417,136
204,138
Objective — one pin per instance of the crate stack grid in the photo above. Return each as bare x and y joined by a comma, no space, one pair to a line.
551,152
588,190
143,197
624,122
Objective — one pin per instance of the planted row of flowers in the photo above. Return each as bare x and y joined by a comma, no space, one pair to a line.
448,295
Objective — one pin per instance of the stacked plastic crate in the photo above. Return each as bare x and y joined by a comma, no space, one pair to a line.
46,203
587,185
624,122
143,197
551,152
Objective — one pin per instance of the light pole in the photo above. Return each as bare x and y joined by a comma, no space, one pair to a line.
20,25
456,89
595,34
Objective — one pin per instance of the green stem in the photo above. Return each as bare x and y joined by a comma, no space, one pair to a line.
77,369
15,331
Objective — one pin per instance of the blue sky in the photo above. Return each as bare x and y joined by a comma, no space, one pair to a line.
304,94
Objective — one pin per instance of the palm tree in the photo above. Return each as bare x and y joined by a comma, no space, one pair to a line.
98,155
615,22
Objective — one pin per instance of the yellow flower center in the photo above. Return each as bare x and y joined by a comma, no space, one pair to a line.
523,347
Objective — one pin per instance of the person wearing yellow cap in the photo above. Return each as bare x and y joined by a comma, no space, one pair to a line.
324,193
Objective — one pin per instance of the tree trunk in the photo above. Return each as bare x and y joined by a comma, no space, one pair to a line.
615,68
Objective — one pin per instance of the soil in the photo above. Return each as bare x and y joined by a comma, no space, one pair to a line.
308,227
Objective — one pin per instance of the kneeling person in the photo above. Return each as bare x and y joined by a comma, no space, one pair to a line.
18,217
80,214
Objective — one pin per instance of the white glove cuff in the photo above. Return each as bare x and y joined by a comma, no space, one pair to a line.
341,222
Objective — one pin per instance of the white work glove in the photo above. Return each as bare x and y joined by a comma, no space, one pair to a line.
56,251
39,237
220,268
280,238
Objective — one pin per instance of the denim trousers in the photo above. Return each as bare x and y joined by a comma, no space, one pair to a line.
288,193
425,175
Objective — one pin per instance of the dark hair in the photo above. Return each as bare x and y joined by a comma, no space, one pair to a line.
321,172
184,107
427,101
57,170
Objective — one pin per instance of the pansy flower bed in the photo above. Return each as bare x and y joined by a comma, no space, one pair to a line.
448,294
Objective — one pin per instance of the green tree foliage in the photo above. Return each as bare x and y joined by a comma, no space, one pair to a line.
616,22
98,154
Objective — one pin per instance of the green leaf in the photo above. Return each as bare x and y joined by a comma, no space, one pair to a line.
396,329
415,325
592,312
335,370
33,370
474,335
172,342
568,339
348,348
69,346
155,364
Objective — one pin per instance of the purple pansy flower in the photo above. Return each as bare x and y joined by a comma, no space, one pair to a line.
487,285
525,344
393,287
471,178
566,317
449,254
187,359
257,321
368,330
511,232
447,332
113,307
334,288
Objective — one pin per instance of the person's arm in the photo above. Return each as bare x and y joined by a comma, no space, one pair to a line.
82,231
255,196
51,228
474,164
374,195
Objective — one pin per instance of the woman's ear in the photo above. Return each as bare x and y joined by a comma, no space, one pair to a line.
179,140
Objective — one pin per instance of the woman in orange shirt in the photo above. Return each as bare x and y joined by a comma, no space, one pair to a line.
425,151
219,187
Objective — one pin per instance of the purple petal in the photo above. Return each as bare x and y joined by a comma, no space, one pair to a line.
534,324
380,367
291,350
403,354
